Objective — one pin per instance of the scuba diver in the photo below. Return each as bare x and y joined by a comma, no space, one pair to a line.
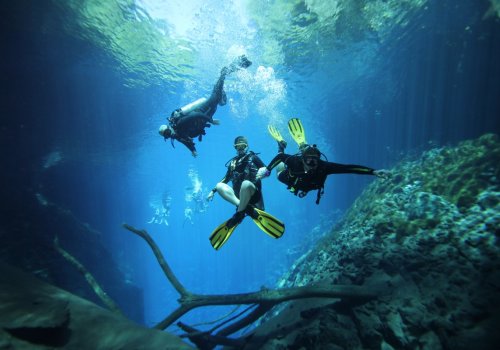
190,121
162,211
194,197
246,195
306,171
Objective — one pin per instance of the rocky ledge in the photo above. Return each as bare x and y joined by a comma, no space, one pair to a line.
35,315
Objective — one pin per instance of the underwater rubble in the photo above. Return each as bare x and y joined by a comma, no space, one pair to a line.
427,239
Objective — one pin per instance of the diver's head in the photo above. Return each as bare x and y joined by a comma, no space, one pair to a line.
165,131
241,144
310,156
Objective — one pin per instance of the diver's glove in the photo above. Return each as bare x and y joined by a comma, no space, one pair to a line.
211,195
263,172
383,174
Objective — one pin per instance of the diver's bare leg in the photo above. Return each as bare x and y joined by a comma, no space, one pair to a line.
227,193
246,192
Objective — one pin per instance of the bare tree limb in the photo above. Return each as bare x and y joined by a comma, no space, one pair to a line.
249,319
224,317
161,260
213,329
206,341
265,299
174,316
88,276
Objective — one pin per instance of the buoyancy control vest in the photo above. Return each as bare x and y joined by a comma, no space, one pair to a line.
242,168
299,184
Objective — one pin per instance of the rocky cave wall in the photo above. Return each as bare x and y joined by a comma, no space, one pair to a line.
427,240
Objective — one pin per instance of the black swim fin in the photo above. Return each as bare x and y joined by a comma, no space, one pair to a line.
266,222
244,62
222,233
240,61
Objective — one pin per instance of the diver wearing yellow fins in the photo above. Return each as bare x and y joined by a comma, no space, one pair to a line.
246,195
306,171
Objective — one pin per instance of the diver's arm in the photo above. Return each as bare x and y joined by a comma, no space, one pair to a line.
280,157
188,142
258,162
225,180
266,170
336,168
227,177
192,116
281,146
262,170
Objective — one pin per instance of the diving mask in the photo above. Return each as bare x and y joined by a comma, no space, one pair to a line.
240,146
311,161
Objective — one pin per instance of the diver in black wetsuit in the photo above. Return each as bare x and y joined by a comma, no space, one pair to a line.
191,120
246,195
305,171
242,172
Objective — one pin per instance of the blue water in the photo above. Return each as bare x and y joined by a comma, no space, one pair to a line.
366,100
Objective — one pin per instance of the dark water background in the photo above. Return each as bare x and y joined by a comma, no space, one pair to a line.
430,83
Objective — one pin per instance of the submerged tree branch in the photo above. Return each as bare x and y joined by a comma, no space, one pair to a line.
264,299
88,276
247,320
266,296
161,260
206,341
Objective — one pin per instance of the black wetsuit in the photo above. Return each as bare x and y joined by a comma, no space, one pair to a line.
242,168
192,124
300,182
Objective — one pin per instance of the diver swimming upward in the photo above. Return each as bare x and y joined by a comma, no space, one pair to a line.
191,120
306,171
246,195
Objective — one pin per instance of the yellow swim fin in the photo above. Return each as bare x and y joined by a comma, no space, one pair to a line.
266,222
222,233
275,133
297,131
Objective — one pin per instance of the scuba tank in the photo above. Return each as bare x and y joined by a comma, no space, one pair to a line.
193,105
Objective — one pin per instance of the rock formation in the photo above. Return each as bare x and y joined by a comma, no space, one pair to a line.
35,315
430,235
